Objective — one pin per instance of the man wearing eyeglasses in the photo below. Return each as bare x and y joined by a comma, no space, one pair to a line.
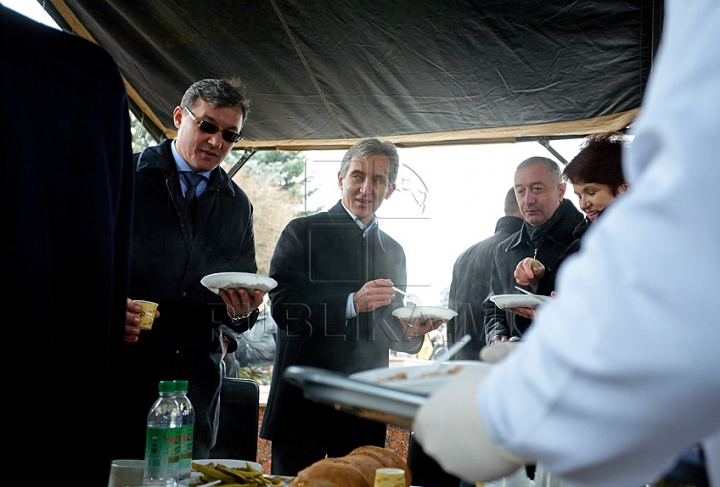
336,273
190,220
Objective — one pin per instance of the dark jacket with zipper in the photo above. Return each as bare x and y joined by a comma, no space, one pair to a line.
510,252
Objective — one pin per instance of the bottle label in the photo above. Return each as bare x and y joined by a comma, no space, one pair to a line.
162,453
186,448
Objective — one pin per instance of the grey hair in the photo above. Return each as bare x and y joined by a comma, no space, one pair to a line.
555,171
218,93
372,147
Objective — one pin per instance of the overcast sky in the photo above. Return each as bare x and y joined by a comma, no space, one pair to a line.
32,9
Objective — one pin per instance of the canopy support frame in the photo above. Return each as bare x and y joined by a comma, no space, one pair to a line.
247,154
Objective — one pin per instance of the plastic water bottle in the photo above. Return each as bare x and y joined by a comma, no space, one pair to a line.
188,429
162,442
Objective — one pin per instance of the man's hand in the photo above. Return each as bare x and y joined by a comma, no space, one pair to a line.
418,328
132,330
499,338
528,272
373,295
238,302
528,313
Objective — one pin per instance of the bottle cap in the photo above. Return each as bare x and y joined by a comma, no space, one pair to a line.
389,477
166,386
181,386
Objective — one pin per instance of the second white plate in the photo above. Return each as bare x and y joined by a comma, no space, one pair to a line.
425,313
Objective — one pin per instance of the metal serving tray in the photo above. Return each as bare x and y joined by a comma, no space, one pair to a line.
372,401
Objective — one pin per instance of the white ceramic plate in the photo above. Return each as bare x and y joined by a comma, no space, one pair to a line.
425,379
235,280
425,313
504,301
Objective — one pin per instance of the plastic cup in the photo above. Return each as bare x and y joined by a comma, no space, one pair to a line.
125,473
147,314
389,477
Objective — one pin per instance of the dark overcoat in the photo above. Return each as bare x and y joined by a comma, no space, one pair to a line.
170,256
318,261
67,168
469,288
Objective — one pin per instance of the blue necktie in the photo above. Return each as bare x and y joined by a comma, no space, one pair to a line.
191,180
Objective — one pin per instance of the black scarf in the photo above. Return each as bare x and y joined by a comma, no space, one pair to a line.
537,234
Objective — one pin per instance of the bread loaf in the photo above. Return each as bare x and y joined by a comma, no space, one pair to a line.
357,469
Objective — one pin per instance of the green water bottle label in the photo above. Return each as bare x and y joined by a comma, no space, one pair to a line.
162,453
186,447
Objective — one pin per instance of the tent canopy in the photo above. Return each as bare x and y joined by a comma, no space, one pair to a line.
324,74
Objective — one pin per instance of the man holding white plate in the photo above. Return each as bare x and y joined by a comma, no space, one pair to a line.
190,220
546,233
333,306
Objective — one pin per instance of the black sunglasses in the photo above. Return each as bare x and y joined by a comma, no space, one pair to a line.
211,128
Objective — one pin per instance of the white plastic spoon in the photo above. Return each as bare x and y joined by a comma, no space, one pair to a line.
450,352
525,291
409,296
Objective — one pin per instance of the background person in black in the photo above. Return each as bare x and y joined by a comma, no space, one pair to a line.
471,282
66,221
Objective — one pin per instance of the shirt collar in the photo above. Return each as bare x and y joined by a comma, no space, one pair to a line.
182,165
366,231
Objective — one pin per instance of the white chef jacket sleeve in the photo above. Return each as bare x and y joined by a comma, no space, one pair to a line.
621,372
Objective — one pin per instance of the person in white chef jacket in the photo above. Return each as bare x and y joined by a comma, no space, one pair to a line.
621,372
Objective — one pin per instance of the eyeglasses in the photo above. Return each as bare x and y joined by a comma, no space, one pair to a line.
211,128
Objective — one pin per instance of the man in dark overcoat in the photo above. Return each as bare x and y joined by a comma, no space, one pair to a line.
178,238
546,233
333,308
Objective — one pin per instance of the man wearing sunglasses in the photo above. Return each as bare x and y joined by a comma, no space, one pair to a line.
190,220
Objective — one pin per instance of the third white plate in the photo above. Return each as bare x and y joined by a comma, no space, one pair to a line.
504,301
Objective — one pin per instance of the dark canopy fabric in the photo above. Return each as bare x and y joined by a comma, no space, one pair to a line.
324,73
